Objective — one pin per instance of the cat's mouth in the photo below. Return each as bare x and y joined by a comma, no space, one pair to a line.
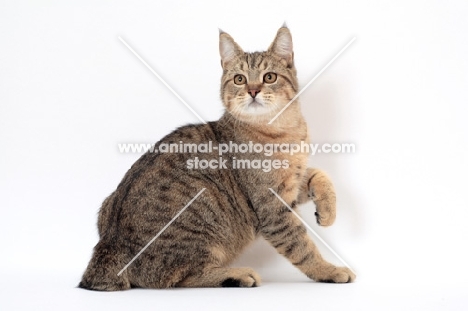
255,104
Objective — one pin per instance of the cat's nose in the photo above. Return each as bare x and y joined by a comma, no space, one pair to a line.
254,92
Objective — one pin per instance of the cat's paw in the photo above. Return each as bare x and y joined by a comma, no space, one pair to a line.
325,204
339,275
325,218
242,277
321,191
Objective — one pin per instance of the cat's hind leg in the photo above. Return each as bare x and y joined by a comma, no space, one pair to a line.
222,277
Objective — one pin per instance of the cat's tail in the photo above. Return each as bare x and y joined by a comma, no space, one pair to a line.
102,273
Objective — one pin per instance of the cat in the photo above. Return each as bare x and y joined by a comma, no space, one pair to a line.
236,206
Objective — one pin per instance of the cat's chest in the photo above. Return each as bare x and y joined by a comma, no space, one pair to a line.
281,159
291,176
290,156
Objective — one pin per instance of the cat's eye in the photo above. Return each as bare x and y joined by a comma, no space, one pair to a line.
270,77
240,79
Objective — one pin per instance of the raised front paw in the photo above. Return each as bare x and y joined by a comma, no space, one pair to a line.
338,275
325,213
320,189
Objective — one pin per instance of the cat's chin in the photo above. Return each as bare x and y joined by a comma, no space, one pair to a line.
255,115
255,104
255,111
256,108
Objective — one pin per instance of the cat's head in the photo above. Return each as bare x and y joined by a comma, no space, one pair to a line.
256,86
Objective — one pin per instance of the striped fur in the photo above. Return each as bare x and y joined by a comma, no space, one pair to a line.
236,207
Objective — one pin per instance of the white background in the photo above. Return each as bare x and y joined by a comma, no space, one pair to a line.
70,91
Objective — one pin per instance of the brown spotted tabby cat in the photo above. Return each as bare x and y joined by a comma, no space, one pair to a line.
236,206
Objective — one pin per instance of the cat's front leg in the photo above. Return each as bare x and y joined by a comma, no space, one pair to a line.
284,231
317,186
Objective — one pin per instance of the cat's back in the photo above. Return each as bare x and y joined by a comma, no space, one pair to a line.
155,166
161,183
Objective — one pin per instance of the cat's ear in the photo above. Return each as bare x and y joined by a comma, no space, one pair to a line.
228,49
282,46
